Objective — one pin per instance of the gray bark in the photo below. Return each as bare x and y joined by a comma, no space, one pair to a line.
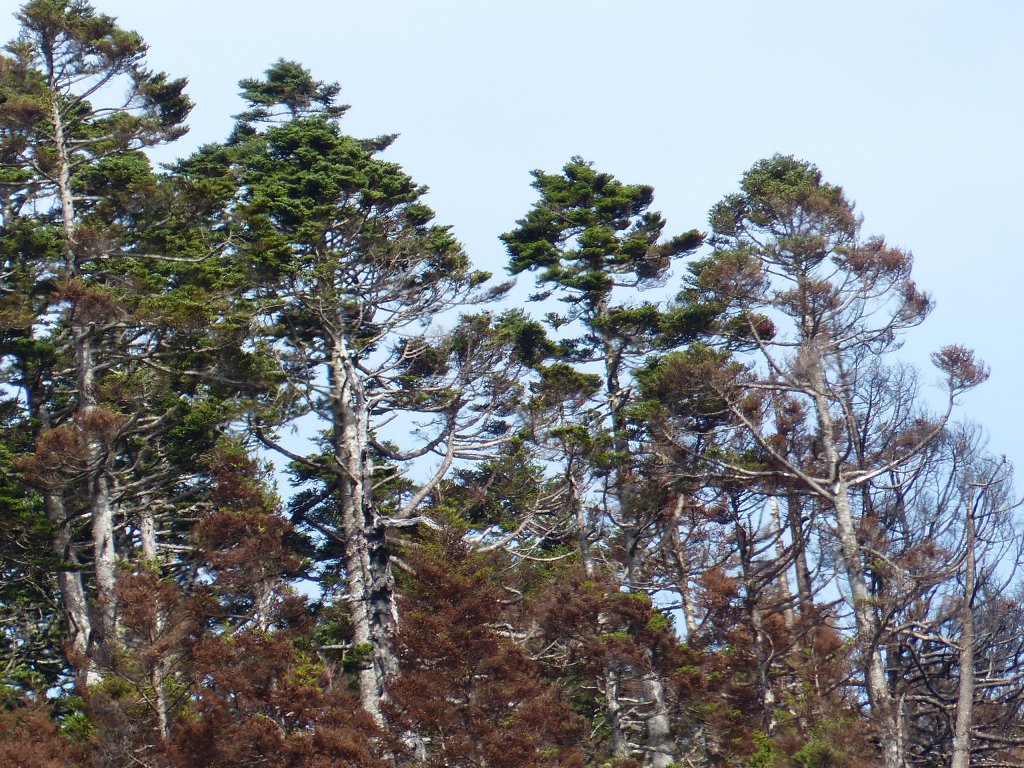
660,745
613,708
73,601
794,517
884,710
780,552
965,694
98,491
160,669
367,562
762,652
147,533
683,583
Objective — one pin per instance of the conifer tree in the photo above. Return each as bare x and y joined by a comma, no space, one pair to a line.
493,514
590,238
592,241
788,249
351,286
468,689
255,688
79,107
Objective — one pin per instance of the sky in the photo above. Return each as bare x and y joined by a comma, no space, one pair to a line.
914,107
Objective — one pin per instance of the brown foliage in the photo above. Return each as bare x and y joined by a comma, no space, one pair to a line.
260,700
65,453
590,630
90,303
29,739
243,542
230,673
961,366
466,687
258,693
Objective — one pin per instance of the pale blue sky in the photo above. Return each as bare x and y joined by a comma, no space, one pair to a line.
914,107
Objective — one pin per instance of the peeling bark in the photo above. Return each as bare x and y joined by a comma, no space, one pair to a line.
368,574
660,745
73,600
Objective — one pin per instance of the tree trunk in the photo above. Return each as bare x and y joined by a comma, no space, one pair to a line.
366,557
104,552
794,517
73,601
613,708
762,658
884,711
883,707
582,526
780,553
965,697
660,746
160,665
160,703
147,533
683,582
98,492
762,654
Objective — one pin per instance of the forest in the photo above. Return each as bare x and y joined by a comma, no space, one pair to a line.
286,481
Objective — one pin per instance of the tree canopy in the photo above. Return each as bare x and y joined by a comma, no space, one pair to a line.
287,480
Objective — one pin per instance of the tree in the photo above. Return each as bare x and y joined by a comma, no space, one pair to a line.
788,251
30,625
30,738
726,530
258,690
589,237
954,661
68,138
467,687
348,275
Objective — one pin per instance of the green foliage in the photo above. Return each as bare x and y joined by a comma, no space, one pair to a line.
289,85
358,656
528,338
766,754
690,389
832,745
93,46
290,279
77,728
30,627
560,383
659,622
590,232
773,190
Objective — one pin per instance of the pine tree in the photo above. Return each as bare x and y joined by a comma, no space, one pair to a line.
823,307
350,281
467,689
590,238
255,688
69,137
